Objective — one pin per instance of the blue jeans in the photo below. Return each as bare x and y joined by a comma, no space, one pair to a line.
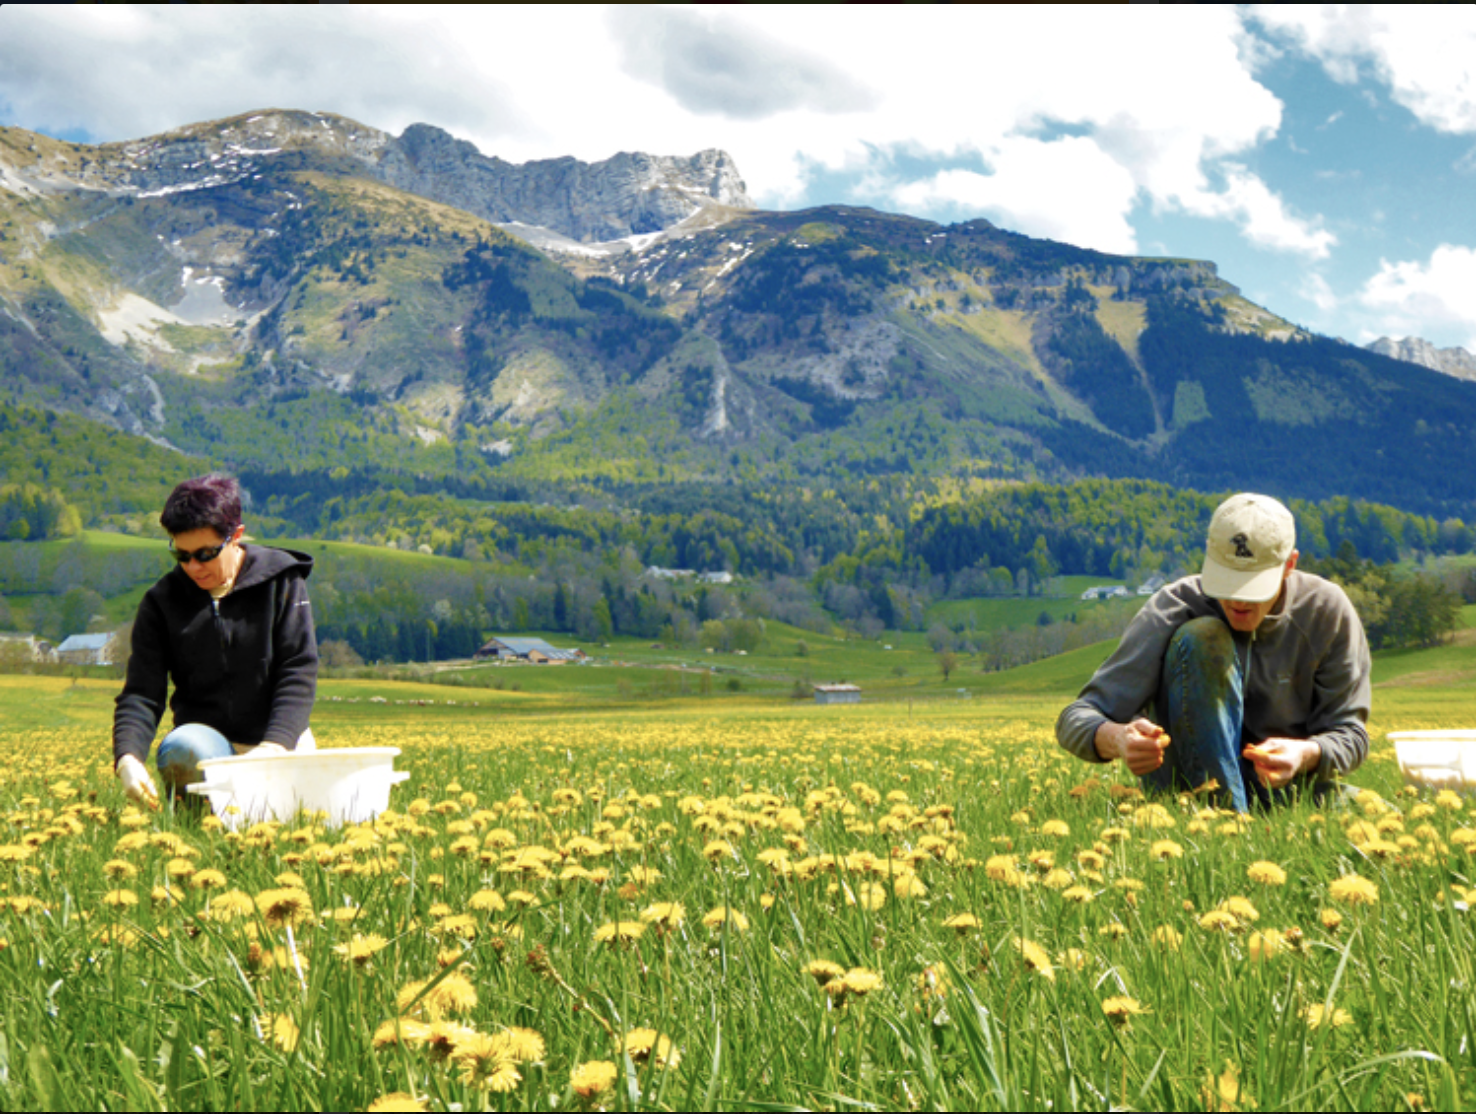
1201,704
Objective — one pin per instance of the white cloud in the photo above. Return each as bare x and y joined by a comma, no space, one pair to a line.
1424,53
1431,299
1317,291
1035,188
1262,216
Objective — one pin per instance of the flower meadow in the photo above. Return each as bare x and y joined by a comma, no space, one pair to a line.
808,908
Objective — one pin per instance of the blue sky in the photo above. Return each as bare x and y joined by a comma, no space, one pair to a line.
1324,157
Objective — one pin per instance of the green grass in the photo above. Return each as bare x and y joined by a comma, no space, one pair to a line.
933,809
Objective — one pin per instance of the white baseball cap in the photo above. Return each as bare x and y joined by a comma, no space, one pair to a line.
1251,537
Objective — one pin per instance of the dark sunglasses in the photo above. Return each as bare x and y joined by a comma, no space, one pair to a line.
201,556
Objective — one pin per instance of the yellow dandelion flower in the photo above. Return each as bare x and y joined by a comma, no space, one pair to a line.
1035,957
208,879
120,868
120,899
962,923
592,1078
665,915
619,932
1113,930
461,925
1224,1092
405,1031
1091,860
1330,919
395,1102
1449,799
722,915
1165,849
718,850
1263,946
1057,879
1121,1010
487,901
649,1046
454,993
1266,874
161,896
231,904
823,970
1217,920
361,949
287,905
1056,828
1351,889
1077,895
487,1062
1167,938
280,1030
860,981
1317,1015
1241,909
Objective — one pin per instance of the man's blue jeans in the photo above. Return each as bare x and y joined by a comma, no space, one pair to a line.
1201,704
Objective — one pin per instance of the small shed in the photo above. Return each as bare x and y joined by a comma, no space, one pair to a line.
86,649
838,694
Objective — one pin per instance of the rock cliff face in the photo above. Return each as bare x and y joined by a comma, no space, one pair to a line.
1452,361
628,194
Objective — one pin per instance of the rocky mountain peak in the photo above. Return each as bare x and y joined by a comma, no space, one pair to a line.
1452,361
625,195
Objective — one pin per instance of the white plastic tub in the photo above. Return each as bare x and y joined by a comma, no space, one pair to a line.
1438,759
349,784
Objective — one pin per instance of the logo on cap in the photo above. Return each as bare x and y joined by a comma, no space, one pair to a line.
1241,548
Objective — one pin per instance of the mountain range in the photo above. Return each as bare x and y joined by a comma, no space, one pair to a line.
286,291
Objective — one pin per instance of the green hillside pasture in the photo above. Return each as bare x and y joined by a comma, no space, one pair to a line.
1014,611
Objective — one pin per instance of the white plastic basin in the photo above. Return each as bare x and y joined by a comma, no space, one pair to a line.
349,784
1438,759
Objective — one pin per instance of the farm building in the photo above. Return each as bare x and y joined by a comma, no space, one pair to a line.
838,694
86,649
534,650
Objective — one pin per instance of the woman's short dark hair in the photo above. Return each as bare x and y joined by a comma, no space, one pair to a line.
212,501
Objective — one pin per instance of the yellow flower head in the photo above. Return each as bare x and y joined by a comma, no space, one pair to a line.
1351,889
962,923
1035,957
647,1045
288,905
281,1030
722,915
1165,849
1317,1015
665,915
1120,1010
1266,874
619,932
592,1078
454,993
395,1102
361,949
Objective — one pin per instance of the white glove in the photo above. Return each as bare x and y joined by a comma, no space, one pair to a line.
136,781
266,750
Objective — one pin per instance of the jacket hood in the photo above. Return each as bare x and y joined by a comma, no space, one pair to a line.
262,563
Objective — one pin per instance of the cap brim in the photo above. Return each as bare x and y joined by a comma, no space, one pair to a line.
1241,585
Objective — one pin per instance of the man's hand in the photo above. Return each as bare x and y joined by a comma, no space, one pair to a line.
136,782
1277,761
267,750
1138,744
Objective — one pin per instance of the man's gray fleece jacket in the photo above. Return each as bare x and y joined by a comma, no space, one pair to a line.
1308,676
